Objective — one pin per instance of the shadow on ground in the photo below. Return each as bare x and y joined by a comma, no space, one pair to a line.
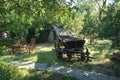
46,54
45,75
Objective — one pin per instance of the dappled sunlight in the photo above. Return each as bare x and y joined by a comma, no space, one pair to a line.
45,54
58,27
100,61
7,57
26,57
44,47
32,58
25,72
104,41
100,49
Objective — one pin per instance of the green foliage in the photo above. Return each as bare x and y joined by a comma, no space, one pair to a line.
90,24
9,72
89,17
111,24
19,16
43,33
31,34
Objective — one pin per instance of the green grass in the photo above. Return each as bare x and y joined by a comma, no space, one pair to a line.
101,63
41,55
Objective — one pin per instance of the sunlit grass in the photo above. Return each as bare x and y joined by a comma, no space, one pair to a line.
44,47
7,58
100,62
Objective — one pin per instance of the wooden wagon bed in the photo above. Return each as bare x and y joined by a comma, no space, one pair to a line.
69,45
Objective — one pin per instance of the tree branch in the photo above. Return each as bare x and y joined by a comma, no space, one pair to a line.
98,4
16,2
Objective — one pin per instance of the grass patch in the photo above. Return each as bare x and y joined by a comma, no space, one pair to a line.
9,72
101,63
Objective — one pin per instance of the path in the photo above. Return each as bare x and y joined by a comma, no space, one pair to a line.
71,71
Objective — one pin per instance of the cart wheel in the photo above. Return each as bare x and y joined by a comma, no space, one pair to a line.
87,55
58,55
55,44
57,48
82,56
69,56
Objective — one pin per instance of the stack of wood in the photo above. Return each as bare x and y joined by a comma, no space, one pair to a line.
116,55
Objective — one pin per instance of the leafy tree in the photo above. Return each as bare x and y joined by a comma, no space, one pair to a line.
111,24
87,17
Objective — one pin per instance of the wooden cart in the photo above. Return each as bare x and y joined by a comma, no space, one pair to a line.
66,44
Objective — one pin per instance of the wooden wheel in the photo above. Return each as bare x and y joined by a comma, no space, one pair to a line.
58,55
57,50
69,56
83,56
55,44
87,54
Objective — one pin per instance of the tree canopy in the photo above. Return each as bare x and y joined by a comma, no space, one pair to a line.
86,17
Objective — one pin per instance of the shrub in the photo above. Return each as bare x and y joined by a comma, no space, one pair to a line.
9,72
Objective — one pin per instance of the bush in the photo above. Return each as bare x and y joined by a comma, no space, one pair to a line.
43,36
31,34
9,72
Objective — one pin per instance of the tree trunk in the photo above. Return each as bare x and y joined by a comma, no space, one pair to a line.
91,37
101,7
